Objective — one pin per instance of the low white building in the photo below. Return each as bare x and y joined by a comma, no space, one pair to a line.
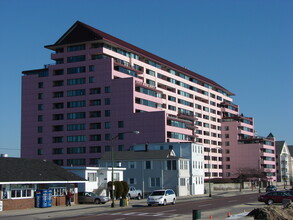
191,151
97,178
154,169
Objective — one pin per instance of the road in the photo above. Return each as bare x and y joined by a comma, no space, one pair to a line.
218,208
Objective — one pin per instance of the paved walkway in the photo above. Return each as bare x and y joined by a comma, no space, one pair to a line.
88,209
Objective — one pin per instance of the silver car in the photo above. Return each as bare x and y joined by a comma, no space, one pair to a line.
90,197
162,197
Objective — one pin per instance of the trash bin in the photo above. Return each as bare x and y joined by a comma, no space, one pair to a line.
49,198
196,214
122,202
44,200
38,199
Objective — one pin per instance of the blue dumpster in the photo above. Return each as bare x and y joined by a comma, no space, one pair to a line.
44,194
49,198
38,199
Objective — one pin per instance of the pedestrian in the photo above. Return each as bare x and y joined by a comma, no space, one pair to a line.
68,198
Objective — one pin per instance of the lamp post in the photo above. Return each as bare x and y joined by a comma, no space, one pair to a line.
112,159
209,171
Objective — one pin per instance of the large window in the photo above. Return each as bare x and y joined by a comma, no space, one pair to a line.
171,164
155,182
21,191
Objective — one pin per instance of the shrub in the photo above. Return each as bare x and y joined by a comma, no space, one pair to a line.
125,189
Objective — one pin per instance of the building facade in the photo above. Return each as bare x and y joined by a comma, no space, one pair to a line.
284,163
97,178
243,150
191,151
152,170
101,87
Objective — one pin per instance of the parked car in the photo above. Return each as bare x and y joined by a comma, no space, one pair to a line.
271,188
275,197
162,197
134,193
90,197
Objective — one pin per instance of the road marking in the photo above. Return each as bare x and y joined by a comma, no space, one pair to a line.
172,210
204,205
233,201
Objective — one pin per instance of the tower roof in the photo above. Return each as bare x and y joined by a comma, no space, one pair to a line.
80,32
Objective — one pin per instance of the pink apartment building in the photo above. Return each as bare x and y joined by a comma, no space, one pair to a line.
101,87
241,149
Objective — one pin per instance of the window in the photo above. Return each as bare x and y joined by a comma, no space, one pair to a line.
58,128
107,113
40,85
155,182
148,164
58,94
95,91
107,137
95,114
76,81
107,101
95,149
58,139
78,92
40,152
120,124
73,70
58,117
95,137
76,48
76,127
57,151
21,191
132,181
171,164
58,191
95,102
76,115
131,164
75,162
107,89
76,104
58,83
76,150
75,58
40,95
107,125
92,177
120,147
182,182
40,129
95,125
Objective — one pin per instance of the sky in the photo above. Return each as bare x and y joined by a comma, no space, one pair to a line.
244,45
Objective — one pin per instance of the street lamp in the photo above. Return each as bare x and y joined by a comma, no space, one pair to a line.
112,159
209,171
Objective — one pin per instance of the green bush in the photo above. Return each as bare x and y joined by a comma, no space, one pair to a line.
118,189
125,189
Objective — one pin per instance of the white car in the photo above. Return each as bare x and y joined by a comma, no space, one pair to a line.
162,197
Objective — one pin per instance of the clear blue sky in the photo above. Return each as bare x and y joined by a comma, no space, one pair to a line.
244,45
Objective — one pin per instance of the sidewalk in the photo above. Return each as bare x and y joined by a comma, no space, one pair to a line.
88,209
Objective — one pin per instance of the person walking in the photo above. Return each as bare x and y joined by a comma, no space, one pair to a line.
68,198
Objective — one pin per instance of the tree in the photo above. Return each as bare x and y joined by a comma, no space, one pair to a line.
118,189
125,189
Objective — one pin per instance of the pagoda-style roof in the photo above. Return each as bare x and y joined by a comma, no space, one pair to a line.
81,33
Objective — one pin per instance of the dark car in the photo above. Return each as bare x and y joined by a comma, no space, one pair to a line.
275,197
90,197
271,188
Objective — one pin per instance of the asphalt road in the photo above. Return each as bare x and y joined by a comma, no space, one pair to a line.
217,208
